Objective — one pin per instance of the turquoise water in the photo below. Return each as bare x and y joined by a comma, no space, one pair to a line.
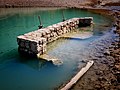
23,73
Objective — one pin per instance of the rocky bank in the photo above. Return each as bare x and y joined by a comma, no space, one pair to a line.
56,3
105,73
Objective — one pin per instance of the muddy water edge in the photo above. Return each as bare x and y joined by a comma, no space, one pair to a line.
105,73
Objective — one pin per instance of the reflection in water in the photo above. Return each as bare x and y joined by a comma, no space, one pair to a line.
22,73
32,62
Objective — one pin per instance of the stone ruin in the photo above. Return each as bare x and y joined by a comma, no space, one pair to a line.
35,42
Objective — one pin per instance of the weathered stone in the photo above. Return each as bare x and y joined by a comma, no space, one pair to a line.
107,52
35,42
117,66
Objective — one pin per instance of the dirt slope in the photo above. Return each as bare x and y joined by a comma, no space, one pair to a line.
36,3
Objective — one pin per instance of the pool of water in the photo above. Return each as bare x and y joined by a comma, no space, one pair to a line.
23,73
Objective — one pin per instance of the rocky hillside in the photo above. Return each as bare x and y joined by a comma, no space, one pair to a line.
68,3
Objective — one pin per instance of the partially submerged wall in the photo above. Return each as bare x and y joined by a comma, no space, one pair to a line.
35,42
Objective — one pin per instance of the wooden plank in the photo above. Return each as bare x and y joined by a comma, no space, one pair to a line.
78,76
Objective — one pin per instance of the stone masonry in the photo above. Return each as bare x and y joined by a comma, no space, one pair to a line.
35,42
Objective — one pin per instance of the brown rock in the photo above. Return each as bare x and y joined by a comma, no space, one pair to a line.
117,66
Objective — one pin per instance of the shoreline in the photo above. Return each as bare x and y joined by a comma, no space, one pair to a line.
105,72
105,76
109,76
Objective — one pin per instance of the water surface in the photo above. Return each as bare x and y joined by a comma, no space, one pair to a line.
22,73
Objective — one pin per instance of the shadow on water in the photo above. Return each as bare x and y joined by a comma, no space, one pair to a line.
34,62
74,38
14,56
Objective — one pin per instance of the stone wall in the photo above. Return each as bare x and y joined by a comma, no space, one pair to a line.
35,42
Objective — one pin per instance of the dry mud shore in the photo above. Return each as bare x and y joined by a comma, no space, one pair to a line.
105,73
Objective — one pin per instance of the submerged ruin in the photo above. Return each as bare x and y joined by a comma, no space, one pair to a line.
35,42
